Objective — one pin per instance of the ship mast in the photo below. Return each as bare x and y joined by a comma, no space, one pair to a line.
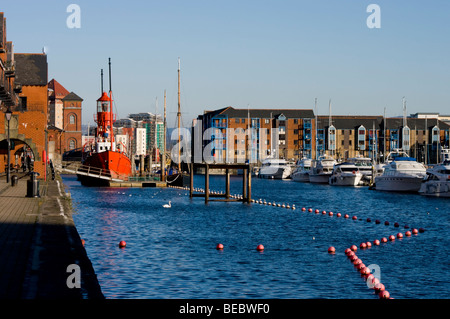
113,148
179,119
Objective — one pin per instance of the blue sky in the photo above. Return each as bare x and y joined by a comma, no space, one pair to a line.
260,54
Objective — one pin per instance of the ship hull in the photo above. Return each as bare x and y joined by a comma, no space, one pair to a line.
104,166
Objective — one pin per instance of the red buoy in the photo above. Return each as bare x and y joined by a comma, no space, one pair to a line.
303,209
357,261
415,231
379,287
386,223
338,215
347,251
330,213
384,240
377,221
310,210
316,211
421,230
331,250
392,238
353,247
365,271
396,224
376,242
369,244
408,233
363,246
324,212
354,218
122,244
399,235
368,220
346,216
384,294
219,247
260,247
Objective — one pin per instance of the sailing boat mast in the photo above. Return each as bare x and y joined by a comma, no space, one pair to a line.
179,119
315,110
163,156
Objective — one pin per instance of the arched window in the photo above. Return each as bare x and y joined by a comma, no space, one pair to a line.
332,138
72,119
406,138
361,138
72,144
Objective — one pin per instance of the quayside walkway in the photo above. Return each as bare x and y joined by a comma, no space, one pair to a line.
39,242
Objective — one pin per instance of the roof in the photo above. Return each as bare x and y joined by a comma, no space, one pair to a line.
31,69
72,97
231,112
350,122
59,90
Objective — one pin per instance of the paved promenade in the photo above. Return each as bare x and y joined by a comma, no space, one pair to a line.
39,242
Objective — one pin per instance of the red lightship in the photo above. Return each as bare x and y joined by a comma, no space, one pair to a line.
104,159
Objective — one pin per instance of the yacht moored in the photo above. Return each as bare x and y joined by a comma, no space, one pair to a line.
403,174
275,169
345,174
302,170
437,181
321,170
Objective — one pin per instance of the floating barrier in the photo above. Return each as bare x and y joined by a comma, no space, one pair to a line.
122,244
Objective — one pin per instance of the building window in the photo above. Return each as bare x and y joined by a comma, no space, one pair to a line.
295,121
72,119
266,121
72,144
237,121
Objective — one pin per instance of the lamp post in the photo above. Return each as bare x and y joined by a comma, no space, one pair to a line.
8,114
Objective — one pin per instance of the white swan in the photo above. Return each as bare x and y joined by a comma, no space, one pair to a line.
167,205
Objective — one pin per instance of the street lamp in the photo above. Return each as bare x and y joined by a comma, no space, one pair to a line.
8,114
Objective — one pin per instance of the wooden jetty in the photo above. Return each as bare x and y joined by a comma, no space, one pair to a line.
224,197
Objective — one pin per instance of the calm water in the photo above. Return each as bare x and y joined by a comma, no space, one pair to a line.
171,253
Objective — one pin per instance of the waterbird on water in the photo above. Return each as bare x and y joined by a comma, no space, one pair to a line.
167,205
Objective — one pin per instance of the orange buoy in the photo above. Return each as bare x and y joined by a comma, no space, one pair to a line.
392,238
330,213
347,251
369,244
331,250
338,215
415,231
353,247
384,240
219,247
316,211
346,216
376,242
324,212
310,210
122,244
365,271
303,209
363,245
399,235
408,233
260,247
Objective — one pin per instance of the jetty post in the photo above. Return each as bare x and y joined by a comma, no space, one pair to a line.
226,196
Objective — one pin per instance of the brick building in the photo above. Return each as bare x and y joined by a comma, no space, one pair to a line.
64,120
23,91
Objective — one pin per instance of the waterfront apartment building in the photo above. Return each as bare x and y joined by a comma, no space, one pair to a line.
239,135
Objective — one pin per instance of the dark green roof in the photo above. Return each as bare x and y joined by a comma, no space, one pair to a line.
72,97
